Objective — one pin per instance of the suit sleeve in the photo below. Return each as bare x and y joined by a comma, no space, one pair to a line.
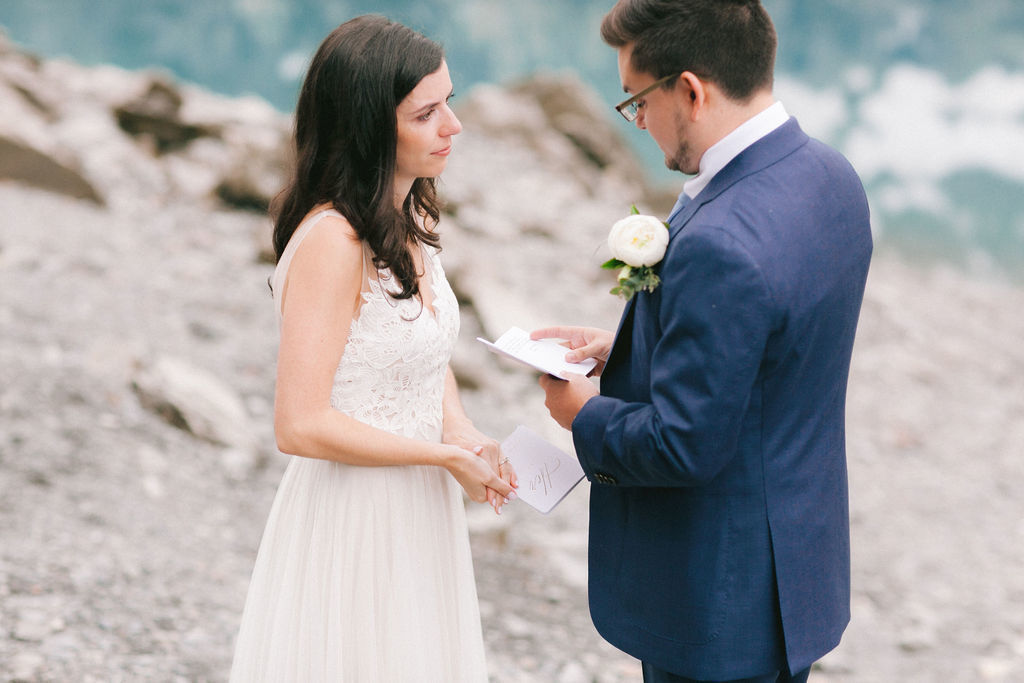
715,316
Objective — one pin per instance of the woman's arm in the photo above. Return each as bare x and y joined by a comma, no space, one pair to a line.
320,297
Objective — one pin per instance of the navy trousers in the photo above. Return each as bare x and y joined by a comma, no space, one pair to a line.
653,675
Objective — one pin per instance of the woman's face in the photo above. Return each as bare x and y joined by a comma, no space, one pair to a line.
426,126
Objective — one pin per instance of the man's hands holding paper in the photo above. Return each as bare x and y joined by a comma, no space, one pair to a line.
583,342
565,398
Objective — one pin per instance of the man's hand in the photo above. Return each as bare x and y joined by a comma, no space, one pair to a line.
584,342
565,398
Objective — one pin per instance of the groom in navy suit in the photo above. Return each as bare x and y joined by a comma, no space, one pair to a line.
719,522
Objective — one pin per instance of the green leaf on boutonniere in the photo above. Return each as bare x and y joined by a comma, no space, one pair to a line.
633,211
642,279
613,264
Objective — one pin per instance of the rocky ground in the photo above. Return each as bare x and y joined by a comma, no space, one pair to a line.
136,376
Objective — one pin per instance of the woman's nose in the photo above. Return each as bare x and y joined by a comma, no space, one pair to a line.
452,125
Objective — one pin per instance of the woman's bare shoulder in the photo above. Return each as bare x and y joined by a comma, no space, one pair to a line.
330,238
329,258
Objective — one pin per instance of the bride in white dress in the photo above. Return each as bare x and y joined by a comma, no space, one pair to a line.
364,572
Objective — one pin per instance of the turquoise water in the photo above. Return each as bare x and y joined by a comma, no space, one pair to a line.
926,97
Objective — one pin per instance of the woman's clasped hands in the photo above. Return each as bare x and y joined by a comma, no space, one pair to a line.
477,464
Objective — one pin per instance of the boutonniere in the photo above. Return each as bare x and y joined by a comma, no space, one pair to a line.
637,243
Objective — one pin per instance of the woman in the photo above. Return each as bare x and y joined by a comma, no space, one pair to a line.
364,572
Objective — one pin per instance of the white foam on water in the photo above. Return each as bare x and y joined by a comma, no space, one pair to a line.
822,113
918,126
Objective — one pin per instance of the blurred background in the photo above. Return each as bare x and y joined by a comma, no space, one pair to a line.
137,339
926,97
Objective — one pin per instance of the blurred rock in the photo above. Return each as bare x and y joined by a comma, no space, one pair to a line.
156,115
194,400
575,111
25,666
34,625
107,134
28,153
574,672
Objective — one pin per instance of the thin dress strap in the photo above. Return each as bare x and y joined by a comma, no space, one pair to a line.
281,272
364,282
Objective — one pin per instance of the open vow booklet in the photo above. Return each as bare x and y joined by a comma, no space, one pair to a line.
546,355
546,473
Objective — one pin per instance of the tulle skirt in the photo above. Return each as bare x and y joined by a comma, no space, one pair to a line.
363,574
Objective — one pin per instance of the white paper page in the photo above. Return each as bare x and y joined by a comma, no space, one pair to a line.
546,355
546,473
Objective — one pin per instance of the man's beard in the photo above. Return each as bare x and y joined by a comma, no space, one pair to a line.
680,161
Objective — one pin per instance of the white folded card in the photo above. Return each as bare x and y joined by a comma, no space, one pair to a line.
546,473
545,355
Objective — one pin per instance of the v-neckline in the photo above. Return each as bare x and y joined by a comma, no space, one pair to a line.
428,276
426,281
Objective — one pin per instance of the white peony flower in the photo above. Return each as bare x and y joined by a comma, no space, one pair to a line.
638,240
637,243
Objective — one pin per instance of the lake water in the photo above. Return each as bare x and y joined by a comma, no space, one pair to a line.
926,97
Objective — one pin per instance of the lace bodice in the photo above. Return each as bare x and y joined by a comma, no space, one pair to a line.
392,372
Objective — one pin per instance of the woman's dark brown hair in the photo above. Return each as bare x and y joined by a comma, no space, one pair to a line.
346,140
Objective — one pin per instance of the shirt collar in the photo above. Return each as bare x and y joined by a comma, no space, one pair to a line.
728,148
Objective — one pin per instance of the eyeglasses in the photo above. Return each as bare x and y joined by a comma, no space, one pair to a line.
630,109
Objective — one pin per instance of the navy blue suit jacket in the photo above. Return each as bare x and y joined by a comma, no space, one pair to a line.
719,524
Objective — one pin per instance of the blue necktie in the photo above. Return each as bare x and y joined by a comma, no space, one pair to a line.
681,203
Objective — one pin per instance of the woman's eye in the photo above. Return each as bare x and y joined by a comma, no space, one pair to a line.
426,117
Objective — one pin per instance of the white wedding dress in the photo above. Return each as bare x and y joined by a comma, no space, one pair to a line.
364,573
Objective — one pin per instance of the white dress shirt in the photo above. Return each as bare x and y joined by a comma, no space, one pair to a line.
728,148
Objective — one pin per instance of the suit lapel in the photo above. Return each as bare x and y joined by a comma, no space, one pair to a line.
781,142
623,335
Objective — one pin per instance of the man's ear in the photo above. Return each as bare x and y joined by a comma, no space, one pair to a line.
695,93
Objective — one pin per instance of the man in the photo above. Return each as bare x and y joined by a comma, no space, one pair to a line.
719,532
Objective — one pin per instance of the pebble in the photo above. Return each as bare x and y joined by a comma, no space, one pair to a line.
25,666
35,625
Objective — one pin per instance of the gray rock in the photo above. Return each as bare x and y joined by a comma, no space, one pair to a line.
25,666
156,115
27,153
573,672
574,110
34,625
194,400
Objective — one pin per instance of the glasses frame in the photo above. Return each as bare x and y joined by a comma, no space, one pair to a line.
624,107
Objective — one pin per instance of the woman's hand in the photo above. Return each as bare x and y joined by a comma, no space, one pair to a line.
475,475
462,433
584,342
